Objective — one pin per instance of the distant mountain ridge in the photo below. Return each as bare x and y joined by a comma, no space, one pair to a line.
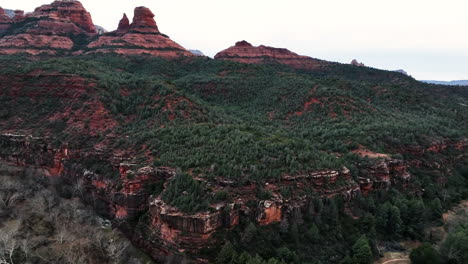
10,12
196,52
454,83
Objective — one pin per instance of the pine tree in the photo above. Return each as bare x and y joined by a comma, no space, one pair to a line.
425,254
362,253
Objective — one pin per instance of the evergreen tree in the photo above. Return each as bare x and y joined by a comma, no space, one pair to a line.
455,247
362,253
425,254
436,209
227,254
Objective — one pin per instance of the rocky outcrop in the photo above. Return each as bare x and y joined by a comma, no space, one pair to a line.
402,72
124,24
5,21
188,232
34,44
19,15
128,195
3,15
8,12
163,230
142,36
382,174
318,177
269,212
356,63
65,27
434,147
67,12
49,29
247,53
143,21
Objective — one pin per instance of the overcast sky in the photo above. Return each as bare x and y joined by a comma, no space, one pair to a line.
427,38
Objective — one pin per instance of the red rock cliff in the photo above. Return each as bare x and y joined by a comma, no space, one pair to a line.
46,30
68,12
246,53
5,21
166,230
140,37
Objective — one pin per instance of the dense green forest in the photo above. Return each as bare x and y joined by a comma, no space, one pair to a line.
202,113
219,120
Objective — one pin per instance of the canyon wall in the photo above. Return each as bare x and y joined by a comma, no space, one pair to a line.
129,198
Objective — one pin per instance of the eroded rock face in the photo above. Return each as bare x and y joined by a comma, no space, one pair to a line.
46,30
3,16
140,37
67,11
246,53
143,21
5,21
269,212
127,196
64,27
124,24
167,230
382,174
19,15
34,44
356,63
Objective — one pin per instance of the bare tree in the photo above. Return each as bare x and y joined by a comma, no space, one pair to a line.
26,246
78,188
115,249
8,199
8,243
62,234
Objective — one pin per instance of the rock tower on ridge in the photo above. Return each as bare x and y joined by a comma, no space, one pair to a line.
142,36
245,52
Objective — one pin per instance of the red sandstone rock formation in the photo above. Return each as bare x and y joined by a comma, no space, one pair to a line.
47,29
5,21
382,174
189,232
34,44
124,24
140,37
168,230
19,15
246,53
69,12
356,63
143,21
3,16
269,212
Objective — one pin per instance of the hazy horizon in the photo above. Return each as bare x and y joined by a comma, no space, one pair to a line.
424,38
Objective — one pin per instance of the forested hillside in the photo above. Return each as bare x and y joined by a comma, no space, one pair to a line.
236,135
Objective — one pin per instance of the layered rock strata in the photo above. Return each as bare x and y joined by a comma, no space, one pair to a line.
128,198
142,36
65,27
50,29
245,52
